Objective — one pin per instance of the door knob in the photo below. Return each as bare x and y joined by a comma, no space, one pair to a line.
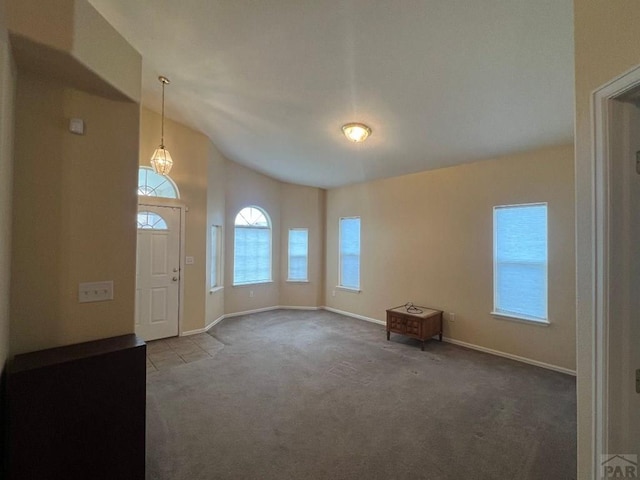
175,270
175,279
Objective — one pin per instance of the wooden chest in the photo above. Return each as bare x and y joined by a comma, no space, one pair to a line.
417,322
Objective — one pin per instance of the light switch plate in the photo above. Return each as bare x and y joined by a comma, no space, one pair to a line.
189,261
95,291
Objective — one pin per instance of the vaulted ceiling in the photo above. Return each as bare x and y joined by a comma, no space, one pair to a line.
440,83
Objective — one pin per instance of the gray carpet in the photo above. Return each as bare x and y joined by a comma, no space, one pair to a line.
315,395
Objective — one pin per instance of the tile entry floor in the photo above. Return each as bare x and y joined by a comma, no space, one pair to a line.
170,352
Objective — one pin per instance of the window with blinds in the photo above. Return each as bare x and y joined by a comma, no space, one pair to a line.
298,255
252,247
349,232
520,261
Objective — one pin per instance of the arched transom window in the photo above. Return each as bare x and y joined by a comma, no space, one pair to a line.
151,221
152,184
252,247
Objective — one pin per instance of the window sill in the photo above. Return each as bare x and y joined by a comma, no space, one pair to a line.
521,319
348,289
297,281
252,283
216,289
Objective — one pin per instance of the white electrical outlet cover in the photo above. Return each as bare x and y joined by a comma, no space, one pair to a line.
76,125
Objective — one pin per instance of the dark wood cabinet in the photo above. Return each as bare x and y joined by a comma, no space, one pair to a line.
78,412
421,323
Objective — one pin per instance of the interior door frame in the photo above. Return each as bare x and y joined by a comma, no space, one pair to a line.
171,203
603,149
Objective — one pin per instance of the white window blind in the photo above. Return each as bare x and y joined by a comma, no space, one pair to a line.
298,254
520,261
252,247
350,252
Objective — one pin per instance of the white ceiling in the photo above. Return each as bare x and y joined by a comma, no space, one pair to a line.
439,82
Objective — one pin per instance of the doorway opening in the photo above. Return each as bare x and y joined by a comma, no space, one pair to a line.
616,269
158,272
159,286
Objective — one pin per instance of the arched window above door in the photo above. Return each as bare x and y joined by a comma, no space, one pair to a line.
151,221
152,184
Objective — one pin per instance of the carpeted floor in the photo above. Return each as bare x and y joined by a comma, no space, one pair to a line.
315,395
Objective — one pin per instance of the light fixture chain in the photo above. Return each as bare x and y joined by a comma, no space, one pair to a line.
162,128
161,159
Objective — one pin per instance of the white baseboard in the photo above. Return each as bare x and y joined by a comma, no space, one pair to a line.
381,322
285,307
205,329
248,312
467,345
214,323
186,333
266,309
510,356
355,315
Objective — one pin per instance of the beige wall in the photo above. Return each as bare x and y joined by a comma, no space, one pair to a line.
428,238
7,85
215,216
52,26
245,188
191,153
303,207
74,210
215,190
118,62
606,45
288,206
70,32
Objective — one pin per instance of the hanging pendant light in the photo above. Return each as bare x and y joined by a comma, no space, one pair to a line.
161,160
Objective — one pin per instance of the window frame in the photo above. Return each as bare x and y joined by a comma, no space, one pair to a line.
163,227
509,315
268,227
341,285
165,179
215,268
297,280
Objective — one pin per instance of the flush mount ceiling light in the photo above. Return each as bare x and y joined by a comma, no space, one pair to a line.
356,132
161,160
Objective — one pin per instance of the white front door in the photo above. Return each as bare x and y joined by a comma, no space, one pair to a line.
158,272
